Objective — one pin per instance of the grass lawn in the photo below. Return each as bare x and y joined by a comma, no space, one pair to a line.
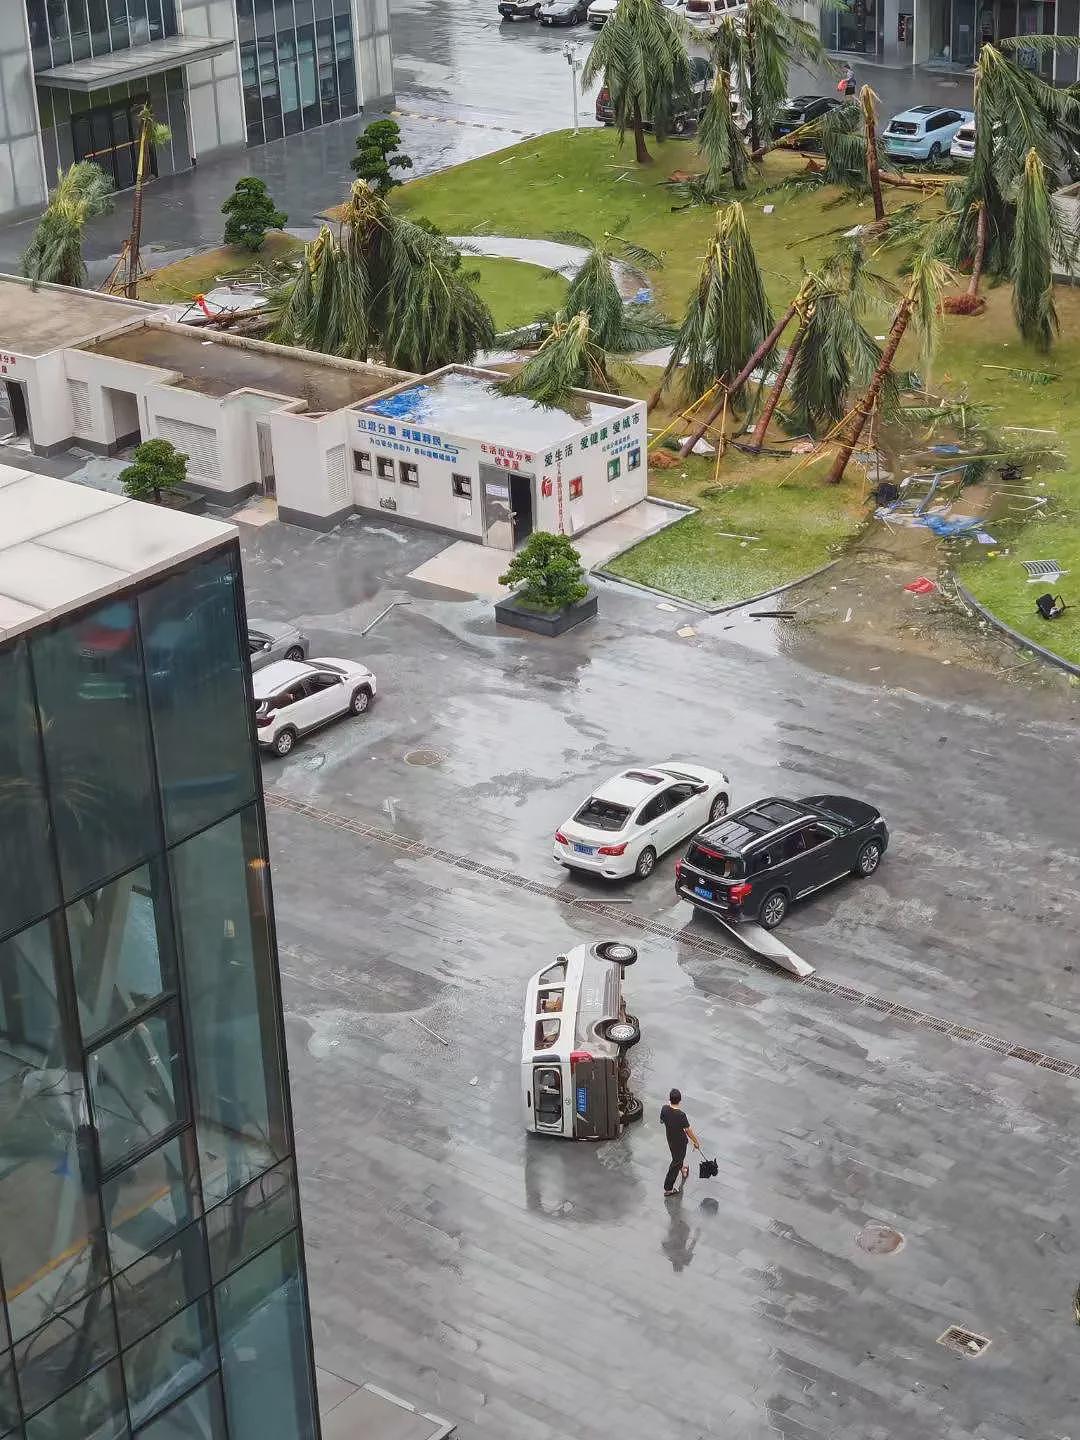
515,293
199,273
589,181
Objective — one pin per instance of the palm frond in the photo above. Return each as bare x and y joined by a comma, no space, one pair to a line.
568,359
1033,287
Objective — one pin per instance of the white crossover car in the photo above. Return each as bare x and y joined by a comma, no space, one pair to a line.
633,818
295,696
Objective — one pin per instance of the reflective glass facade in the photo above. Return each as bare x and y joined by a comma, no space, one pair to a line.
65,30
151,1265
297,65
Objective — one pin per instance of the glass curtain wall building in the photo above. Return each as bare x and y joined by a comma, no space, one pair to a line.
151,1264
297,64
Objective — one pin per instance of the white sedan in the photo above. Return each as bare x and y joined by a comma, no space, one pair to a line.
639,814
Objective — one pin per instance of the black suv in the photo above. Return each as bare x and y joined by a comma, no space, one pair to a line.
754,862
800,111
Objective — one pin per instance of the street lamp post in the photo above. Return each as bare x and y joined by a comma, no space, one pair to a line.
571,57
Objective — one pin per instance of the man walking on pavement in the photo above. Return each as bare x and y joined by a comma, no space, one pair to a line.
677,1124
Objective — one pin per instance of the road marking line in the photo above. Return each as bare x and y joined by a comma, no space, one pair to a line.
950,1029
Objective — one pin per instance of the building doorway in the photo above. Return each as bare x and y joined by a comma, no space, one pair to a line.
521,507
109,135
266,459
16,421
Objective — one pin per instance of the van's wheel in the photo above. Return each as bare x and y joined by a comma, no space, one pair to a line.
361,700
624,1033
294,652
773,909
718,808
646,863
617,951
284,741
634,1111
869,859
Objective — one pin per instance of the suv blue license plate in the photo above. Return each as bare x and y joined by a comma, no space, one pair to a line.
703,891
583,849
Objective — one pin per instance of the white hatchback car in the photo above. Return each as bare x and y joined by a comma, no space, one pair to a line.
293,697
632,819
599,12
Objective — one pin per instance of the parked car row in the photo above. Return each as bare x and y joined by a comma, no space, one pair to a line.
746,864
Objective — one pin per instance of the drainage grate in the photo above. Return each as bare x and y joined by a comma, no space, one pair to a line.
1037,568
964,1342
878,1239
424,757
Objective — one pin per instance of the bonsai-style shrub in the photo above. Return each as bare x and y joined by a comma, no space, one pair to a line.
547,572
156,466
375,157
251,213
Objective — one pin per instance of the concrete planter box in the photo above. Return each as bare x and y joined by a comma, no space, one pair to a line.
512,611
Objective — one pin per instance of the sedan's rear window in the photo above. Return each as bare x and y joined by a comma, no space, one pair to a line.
715,862
602,815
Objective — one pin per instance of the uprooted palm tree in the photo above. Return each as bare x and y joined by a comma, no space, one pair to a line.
1017,114
1033,242
570,358
384,287
920,304
642,56
727,316
54,255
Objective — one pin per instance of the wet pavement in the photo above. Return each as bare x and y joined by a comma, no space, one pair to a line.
542,1289
467,83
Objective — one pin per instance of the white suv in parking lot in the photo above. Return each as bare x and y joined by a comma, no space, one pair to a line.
293,697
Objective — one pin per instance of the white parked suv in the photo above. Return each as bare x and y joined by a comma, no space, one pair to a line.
293,697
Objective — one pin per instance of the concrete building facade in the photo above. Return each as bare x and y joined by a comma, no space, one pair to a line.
326,437
152,1278
220,73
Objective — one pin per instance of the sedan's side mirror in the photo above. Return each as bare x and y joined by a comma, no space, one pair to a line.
266,644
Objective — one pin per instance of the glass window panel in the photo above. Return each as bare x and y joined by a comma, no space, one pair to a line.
262,1312
327,69
9,1410
79,28
287,79
309,80
139,21
120,939
29,888
94,1410
136,1085
264,17
118,24
169,1361
100,37
150,1200
199,1416
92,703
39,33
162,1283
51,1246
229,973
59,1354
198,695
168,10
250,1219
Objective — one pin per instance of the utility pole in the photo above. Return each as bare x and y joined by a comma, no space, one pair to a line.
571,57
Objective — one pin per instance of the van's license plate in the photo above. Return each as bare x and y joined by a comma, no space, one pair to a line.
703,891
583,849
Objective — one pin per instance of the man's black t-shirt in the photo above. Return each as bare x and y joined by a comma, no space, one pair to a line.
676,1123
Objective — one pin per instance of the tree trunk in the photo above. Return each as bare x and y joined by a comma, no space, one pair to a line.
641,155
869,400
982,235
758,437
740,380
755,128
131,288
872,170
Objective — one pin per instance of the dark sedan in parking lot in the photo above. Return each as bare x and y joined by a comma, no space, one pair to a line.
755,861
563,12
801,110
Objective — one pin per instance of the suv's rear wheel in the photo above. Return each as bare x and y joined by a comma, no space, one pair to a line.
869,859
773,909
935,153
284,740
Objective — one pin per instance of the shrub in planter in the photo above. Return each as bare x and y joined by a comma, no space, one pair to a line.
157,466
547,572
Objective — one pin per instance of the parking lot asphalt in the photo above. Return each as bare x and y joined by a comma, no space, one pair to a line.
539,1289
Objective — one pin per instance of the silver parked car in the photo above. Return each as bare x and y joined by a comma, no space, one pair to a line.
270,640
